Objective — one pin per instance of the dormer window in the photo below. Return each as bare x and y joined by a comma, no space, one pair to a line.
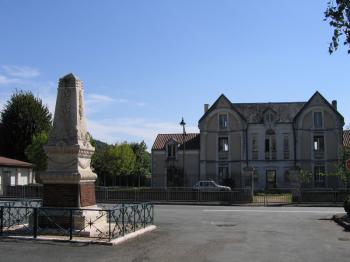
318,120
223,121
171,150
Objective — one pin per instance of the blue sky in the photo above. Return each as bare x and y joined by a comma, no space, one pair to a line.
145,64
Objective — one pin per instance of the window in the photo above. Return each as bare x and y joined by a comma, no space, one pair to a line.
286,154
13,180
223,121
318,121
223,144
319,143
270,145
171,150
319,178
255,150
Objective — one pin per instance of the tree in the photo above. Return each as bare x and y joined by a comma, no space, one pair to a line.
338,14
113,161
36,154
341,171
23,116
143,161
124,161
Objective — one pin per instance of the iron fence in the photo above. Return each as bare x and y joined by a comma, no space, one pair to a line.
106,194
72,223
182,194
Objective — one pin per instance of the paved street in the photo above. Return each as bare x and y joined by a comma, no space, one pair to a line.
210,233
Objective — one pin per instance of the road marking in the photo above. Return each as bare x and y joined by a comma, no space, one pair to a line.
271,211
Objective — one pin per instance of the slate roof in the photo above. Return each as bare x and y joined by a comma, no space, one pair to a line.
346,138
4,161
285,111
192,141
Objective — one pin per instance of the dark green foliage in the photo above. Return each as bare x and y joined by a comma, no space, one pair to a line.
23,116
338,15
36,154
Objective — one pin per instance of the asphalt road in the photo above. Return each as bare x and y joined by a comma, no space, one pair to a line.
210,233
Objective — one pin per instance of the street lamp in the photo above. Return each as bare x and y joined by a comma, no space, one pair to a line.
183,124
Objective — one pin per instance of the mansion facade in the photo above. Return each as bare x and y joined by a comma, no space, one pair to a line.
266,142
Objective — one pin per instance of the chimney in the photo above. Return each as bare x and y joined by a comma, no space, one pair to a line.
335,104
206,107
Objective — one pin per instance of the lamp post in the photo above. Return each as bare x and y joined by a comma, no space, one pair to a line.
182,123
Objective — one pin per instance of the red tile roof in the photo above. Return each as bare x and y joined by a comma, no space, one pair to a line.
192,141
4,161
346,138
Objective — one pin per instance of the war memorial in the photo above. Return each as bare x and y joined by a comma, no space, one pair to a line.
68,210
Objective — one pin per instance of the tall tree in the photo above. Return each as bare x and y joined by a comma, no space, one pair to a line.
23,116
338,15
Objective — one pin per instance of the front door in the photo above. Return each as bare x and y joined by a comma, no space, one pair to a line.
270,179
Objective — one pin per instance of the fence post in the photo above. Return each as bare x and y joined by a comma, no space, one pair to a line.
35,222
71,224
144,215
133,209
109,224
335,196
152,214
123,218
1,221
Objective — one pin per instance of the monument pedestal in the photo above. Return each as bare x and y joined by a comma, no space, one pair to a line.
69,195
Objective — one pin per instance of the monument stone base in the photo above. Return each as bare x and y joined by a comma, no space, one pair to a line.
69,195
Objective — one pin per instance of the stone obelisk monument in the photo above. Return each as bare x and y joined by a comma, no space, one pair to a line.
69,180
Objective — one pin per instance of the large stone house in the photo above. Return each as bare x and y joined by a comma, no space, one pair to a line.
264,141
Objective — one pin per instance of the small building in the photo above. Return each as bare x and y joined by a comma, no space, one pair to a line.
271,140
14,172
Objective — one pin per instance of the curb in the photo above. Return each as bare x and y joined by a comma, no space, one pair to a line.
114,242
340,222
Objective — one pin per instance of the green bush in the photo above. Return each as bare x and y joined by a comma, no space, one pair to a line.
347,205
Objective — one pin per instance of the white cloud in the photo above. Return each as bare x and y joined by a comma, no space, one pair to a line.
140,104
20,71
102,99
4,80
132,129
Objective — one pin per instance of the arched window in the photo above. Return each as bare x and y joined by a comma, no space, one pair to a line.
270,144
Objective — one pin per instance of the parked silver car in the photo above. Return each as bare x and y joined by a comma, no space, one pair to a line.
210,185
